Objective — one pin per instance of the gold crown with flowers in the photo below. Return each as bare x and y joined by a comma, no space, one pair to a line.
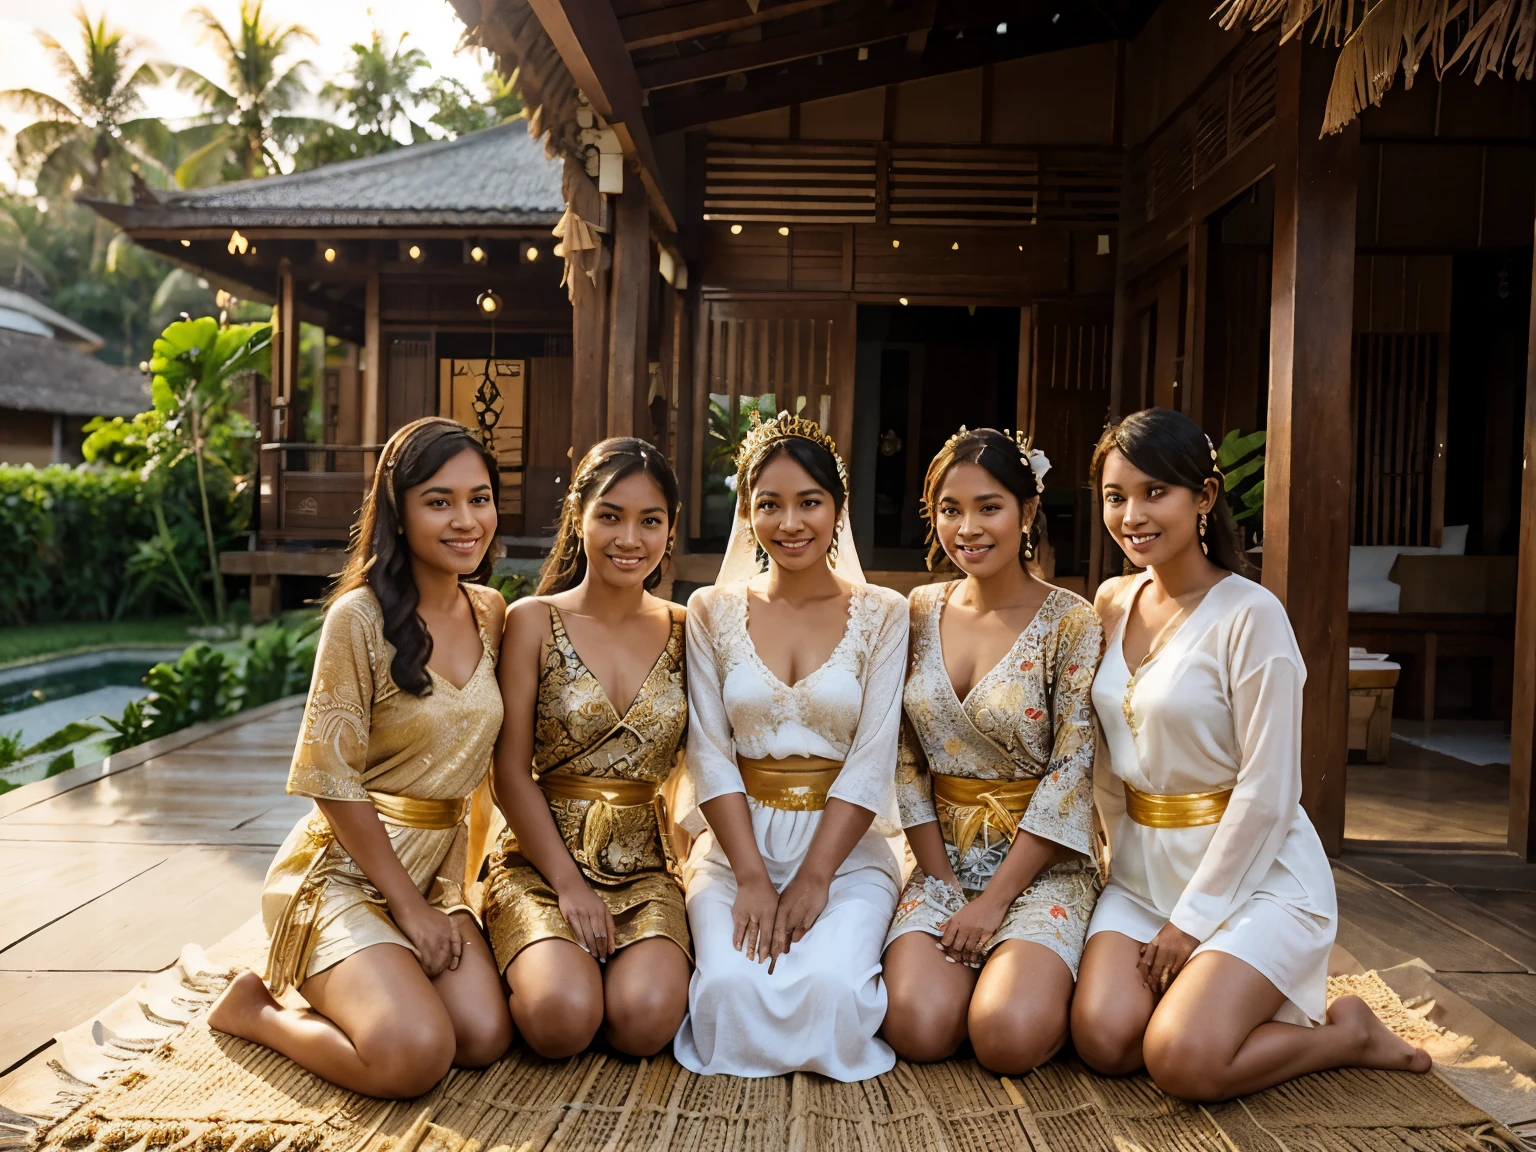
1030,456
763,434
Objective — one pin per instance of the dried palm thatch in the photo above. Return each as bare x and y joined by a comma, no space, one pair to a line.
524,51
1381,37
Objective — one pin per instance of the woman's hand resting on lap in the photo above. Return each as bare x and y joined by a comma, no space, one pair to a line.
752,917
966,932
587,914
1164,957
435,936
800,903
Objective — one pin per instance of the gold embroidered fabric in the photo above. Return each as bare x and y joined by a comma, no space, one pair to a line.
602,775
364,739
1025,735
791,783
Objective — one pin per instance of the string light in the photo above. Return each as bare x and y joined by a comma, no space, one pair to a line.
903,301
895,243
488,302
330,255
735,229
532,254
783,231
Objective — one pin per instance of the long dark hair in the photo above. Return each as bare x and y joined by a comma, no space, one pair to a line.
820,464
378,556
1170,447
604,465
999,454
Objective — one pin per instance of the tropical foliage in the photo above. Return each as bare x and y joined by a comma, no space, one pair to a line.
1241,460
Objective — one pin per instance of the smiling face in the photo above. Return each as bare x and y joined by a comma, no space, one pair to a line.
979,523
793,517
1152,521
450,518
624,531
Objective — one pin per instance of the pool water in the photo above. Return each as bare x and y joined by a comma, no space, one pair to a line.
29,692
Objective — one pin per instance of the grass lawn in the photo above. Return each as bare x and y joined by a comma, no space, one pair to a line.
31,641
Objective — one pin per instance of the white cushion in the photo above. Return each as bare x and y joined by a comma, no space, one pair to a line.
1453,540
1369,562
1374,595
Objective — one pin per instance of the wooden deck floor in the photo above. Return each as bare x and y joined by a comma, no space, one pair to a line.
106,881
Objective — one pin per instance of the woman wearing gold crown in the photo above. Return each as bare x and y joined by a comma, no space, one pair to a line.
995,779
795,668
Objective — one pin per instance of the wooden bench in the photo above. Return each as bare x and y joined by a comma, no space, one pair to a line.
1419,640
266,568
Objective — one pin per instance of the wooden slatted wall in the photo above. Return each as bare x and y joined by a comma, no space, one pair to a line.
1400,397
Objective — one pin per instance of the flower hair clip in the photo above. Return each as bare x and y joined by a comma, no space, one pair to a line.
1039,463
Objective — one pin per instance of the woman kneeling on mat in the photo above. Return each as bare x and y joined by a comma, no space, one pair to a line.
365,902
583,904
1207,957
995,775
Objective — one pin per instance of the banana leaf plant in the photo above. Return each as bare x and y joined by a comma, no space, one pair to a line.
194,365
1241,460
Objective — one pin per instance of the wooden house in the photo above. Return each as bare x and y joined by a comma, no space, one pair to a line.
900,217
432,270
903,216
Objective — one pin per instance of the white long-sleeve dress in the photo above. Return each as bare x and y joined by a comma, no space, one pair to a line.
821,1007
1218,707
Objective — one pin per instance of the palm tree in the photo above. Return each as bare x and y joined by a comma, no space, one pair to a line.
379,90
93,141
249,123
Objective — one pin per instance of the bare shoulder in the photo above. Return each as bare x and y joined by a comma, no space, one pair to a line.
526,623
656,604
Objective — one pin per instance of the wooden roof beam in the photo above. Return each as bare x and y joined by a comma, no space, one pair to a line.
704,18
786,49
586,34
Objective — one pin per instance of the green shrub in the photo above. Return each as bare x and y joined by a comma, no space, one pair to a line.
11,749
86,543
278,663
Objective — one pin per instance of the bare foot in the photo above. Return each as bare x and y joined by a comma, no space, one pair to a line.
235,1011
1377,1046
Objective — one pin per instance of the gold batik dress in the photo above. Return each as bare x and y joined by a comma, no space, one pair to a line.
1016,753
602,775
416,759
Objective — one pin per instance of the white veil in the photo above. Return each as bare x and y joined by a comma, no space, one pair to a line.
740,563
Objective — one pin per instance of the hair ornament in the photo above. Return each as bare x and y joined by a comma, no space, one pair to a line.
1039,463
763,434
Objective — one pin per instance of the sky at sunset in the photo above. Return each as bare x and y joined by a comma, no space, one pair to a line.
162,32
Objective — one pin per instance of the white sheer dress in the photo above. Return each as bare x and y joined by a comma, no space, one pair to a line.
821,1007
1217,707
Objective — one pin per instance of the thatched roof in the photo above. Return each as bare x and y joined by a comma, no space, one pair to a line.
21,313
1381,37
39,374
494,177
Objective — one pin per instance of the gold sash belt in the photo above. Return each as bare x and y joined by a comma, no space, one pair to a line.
430,814
611,790
791,784
1181,810
967,806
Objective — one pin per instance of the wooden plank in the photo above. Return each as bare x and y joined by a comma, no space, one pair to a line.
1511,1000
37,1005
1522,749
198,895
772,50
44,881
1306,520
373,373
1195,309
703,18
1515,908
1475,920
1400,922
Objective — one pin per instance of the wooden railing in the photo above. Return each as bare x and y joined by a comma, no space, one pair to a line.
311,491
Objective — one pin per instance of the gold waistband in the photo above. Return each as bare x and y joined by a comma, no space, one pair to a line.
430,814
793,784
1181,810
967,806
612,790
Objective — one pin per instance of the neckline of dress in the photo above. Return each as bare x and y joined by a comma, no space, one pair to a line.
570,646
746,632
1151,658
485,648
1006,657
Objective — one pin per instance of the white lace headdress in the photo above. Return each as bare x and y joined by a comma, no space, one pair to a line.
741,561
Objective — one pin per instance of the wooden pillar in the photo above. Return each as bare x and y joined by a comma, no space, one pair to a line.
1024,404
628,313
1522,743
1310,454
373,374
587,284
1195,305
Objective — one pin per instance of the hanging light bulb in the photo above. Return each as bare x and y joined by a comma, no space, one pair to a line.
488,302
